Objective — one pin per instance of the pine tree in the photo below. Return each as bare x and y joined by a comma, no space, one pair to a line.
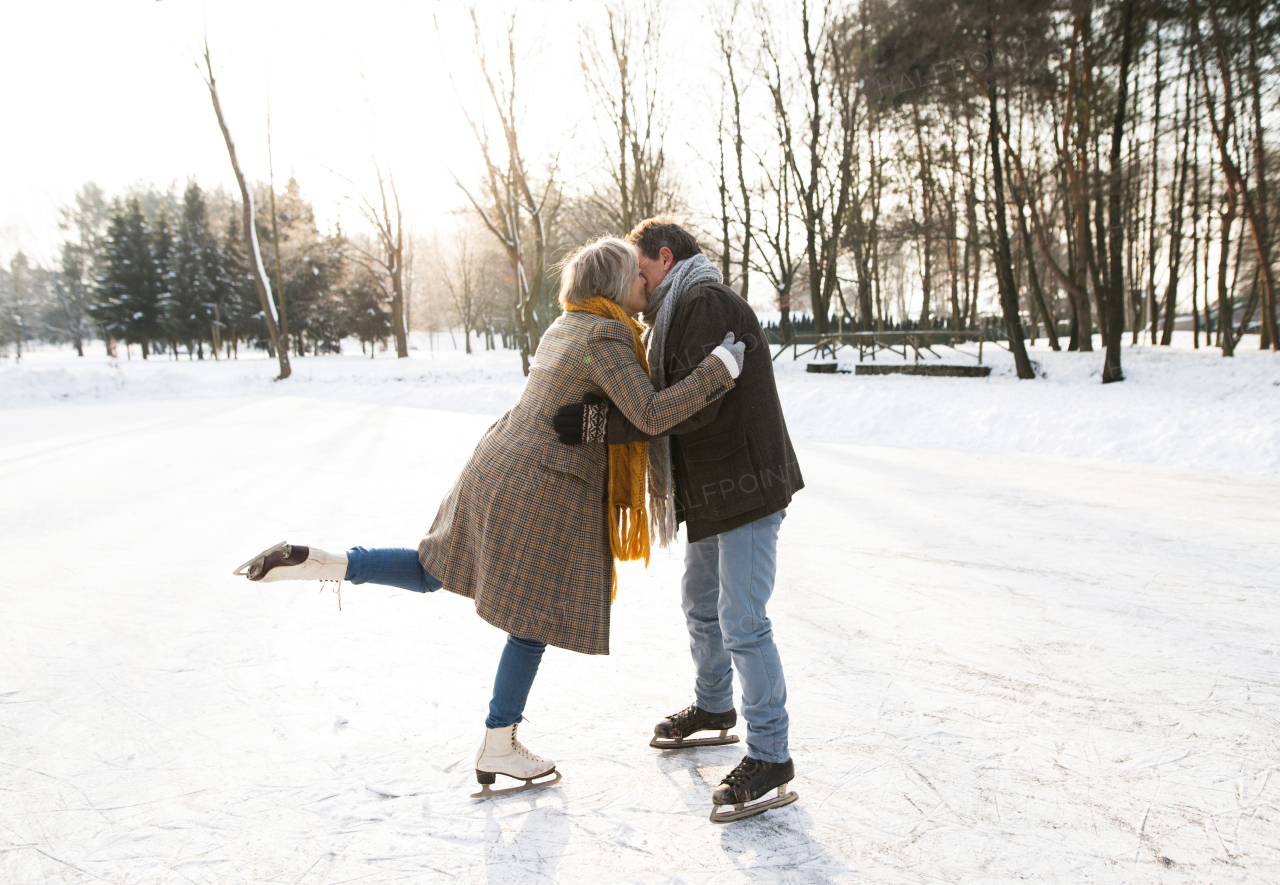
129,287
192,270
366,317
240,309
161,250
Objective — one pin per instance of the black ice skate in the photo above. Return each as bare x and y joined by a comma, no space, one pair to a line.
673,732
748,782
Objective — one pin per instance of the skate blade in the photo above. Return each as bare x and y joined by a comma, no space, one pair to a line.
243,570
744,811
486,792
686,743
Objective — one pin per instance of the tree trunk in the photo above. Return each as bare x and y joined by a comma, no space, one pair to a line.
251,231
1270,333
1037,292
1237,188
275,231
1115,304
1003,258
1080,80
1226,310
1152,238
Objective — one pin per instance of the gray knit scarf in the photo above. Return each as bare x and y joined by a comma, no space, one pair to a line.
682,277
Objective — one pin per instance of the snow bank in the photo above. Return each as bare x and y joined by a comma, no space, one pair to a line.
1179,407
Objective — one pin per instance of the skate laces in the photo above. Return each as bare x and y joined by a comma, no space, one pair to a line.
685,716
521,748
336,589
747,769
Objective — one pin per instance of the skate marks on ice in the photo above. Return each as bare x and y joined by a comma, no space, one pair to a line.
998,667
1054,669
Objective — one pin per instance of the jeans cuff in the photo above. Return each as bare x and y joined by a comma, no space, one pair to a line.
775,758
353,566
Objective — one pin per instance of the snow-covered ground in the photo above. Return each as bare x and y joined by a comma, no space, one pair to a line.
1030,632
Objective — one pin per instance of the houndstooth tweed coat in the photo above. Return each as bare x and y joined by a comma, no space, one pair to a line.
523,531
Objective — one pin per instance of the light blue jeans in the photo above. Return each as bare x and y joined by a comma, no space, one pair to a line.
399,567
728,579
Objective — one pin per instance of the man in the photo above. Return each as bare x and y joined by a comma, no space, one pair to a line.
734,474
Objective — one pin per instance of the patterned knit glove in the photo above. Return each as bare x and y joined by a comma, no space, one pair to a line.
582,422
595,420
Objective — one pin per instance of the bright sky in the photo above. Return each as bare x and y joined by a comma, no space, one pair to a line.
108,92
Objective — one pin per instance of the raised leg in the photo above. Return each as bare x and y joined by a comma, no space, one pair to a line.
391,566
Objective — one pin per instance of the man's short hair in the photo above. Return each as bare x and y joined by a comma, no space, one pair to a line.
663,230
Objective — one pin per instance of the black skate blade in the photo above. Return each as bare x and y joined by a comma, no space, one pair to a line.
686,743
744,811
243,570
529,784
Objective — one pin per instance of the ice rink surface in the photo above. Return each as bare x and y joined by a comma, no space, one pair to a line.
1002,666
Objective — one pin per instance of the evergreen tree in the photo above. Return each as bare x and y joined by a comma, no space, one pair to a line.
308,269
192,275
240,311
161,280
366,316
69,308
129,287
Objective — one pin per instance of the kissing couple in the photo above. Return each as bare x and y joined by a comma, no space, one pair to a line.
651,402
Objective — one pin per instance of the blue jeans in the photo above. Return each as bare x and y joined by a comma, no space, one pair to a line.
399,567
728,579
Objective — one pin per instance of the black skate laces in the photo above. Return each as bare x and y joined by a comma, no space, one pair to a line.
746,770
685,716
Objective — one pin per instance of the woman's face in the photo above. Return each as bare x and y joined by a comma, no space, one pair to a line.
637,301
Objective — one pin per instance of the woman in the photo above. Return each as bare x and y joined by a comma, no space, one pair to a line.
531,527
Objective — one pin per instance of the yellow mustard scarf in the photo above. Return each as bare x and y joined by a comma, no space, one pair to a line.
628,463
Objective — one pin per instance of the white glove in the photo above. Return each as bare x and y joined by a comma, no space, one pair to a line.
732,354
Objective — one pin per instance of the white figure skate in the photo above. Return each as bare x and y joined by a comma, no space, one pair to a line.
501,753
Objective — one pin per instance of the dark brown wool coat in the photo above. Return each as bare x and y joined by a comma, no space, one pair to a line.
733,460
523,530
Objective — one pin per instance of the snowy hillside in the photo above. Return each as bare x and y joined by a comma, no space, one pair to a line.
1029,630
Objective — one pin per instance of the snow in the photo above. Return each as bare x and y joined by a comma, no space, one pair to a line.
1028,628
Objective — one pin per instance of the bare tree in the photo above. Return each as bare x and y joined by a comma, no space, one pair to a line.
459,267
251,230
725,33
275,231
1115,298
1239,194
775,255
515,209
388,262
823,177
621,69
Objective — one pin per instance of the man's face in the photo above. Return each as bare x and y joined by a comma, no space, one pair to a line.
654,270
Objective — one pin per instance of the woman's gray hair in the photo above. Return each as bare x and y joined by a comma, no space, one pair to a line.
606,267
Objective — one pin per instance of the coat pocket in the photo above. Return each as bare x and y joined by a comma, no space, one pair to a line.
723,477
567,460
